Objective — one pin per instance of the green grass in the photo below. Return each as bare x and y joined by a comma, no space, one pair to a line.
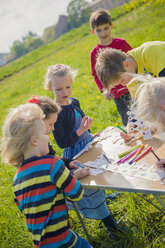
24,77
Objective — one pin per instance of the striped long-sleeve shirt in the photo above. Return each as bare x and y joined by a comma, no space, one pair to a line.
40,186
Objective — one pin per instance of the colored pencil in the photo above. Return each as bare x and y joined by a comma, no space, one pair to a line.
157,157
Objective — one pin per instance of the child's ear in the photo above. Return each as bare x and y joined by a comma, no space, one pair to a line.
126,64
33,140
50,88
162,107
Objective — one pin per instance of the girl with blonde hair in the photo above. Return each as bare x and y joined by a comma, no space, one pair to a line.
42,182
72,133
150,105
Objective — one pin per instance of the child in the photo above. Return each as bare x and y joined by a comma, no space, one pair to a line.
51,111
101,25
115,67
150,105
42,182
71,133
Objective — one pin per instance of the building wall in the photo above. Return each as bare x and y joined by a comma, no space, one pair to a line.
107,4
61,26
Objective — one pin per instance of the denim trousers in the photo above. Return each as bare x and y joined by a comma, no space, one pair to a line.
81,243
122,104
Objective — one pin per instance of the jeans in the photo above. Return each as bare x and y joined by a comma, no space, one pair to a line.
122,104
81,243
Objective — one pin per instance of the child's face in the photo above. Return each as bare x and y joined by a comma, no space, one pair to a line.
103,32
49,122
62,89
124,79
162,113
42,139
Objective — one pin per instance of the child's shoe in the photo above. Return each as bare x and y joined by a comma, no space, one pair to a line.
112,196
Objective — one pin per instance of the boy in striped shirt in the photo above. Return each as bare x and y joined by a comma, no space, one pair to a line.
42,182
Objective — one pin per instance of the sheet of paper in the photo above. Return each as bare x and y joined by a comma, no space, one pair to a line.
100,162
86,148
133,170
106,133
95,172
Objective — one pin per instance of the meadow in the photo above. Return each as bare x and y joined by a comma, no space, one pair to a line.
145,224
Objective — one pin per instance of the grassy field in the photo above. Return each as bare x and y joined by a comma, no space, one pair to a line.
24,77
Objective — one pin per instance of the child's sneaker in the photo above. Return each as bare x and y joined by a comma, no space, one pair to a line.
112,196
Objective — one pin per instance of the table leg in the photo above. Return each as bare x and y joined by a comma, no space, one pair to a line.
149,202
81,221
160,201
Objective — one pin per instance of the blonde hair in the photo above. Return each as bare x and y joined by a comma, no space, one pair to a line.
149,96
19,126
109,65
59,70
46,104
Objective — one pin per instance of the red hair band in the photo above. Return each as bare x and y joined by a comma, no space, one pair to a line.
33,100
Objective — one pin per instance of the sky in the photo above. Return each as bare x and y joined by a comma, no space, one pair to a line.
17,17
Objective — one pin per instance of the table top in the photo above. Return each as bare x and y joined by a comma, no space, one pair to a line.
117,181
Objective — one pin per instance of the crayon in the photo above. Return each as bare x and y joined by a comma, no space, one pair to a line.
157,157
122,129
143,154
79,165
128,151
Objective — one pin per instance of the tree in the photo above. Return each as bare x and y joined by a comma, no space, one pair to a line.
29,42
78,13
18,49
32,41
49,34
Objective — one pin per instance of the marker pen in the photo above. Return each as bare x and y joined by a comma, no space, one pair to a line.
79,165
86,121
122,129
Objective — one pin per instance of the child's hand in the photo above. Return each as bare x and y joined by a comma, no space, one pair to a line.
85,125
160,164
73,164
107,95
81,172
128,135
154,130
96,135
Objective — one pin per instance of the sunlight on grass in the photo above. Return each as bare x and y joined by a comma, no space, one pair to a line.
145,225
